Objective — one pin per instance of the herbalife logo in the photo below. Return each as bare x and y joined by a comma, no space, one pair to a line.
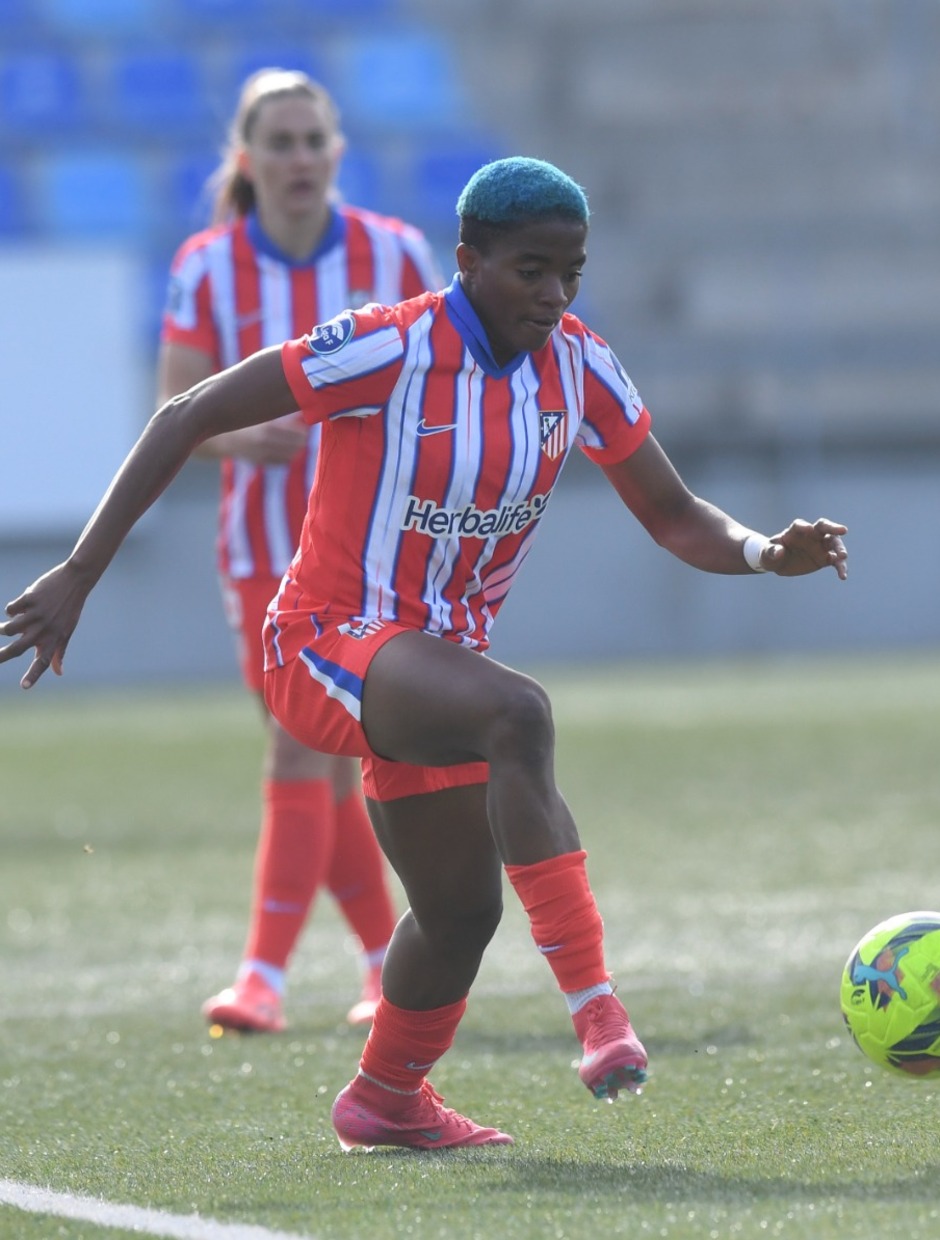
427,517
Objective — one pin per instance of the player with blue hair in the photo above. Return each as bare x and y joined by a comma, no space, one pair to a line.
515,189
446,421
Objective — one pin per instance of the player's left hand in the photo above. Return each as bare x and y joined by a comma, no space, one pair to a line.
804,547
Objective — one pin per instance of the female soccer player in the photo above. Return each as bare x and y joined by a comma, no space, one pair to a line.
446,420
283,255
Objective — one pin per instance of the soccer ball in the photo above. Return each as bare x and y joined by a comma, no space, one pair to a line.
891,993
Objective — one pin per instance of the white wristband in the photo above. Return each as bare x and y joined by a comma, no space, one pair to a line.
754,546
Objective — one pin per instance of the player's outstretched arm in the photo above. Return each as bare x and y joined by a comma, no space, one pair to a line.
44,616
707,538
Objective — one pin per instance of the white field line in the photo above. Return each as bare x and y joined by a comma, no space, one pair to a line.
132,1218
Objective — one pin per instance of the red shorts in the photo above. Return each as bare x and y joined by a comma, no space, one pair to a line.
315,694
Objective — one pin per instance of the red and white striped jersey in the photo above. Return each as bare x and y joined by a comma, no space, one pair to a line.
232,292
436,464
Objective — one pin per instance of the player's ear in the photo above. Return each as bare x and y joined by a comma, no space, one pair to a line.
337,151
243,163
468,258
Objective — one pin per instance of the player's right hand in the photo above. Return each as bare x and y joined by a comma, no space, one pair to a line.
43,618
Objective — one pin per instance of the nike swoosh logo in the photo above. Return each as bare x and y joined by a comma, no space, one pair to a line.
420,1067
424,429
429,1136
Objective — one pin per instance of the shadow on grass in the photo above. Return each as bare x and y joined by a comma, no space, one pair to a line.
647,1183
511,1173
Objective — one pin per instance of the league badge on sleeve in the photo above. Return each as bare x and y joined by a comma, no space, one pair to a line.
330,337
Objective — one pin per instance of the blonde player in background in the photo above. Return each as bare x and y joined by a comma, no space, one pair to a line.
283,254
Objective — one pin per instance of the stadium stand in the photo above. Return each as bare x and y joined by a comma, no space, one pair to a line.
161,92
41,96
765,178
402,79
765,182
112,113
97,18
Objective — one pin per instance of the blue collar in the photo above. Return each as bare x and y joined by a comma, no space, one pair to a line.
467,323
335,234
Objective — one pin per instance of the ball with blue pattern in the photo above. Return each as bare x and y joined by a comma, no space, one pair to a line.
890,994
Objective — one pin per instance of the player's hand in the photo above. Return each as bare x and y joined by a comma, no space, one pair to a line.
43,618
269,443
805,547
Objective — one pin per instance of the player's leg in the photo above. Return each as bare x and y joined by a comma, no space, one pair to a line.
431,702
442,850
304,796
414,699
358,882
295,844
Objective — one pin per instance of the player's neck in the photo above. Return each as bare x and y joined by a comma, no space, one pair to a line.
297,236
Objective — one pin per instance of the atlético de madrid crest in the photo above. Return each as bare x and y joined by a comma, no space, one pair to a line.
553,432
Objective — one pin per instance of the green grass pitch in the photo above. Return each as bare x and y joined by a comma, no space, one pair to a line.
745,824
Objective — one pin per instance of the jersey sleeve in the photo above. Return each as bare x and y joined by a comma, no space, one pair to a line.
187,314
346,367
615,419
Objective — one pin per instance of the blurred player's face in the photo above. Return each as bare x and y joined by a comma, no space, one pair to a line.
524,282
292,157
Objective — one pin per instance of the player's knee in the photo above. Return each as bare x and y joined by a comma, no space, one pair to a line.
469,932
462,926
523,730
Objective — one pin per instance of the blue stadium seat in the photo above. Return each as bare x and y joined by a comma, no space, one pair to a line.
13,215
270,54
93,194
188,197
440,173
158,91
347,11
361,180
40,93
102,16
400,79
231,12
15,15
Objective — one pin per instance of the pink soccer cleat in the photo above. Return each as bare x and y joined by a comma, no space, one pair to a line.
361,1013
366,1114
250,1006
614,1057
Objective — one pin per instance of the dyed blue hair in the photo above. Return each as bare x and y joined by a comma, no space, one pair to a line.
509,191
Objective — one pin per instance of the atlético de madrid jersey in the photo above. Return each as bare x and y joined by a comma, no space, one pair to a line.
233,292
435,464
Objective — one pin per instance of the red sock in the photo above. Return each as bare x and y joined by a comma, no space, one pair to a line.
296,841
356,876
563,915
403,1046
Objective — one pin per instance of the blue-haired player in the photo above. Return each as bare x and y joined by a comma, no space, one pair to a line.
446,421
